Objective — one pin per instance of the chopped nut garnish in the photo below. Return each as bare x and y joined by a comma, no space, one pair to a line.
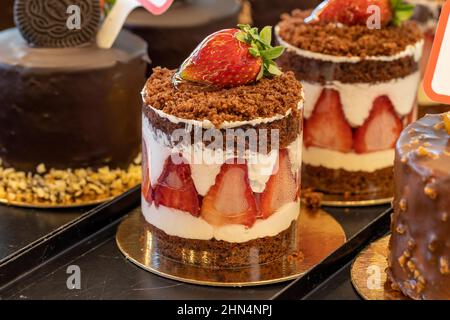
400,229
430,192
312,200
411,266
66,187
402,261
444,216
403,205
444,266
411,244
41,168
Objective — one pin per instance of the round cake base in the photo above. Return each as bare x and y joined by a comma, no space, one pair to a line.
79,204
335,200
135,242
368,273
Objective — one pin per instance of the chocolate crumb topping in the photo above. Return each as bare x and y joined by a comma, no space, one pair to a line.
351,41
264,99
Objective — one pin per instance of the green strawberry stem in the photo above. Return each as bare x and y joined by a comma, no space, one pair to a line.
260,46
401,11
108,4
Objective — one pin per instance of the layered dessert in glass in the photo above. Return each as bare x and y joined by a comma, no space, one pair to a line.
360,92
419,251
222,158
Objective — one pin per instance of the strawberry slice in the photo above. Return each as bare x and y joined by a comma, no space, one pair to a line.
146,183
281,187
175,188
381,129
230,200
327,126
232,57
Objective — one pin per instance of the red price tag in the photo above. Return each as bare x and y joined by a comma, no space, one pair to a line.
437,75
156,7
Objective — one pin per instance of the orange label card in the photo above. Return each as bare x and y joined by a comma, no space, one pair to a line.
437,75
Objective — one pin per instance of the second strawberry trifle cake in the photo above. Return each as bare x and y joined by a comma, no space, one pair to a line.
222,153
360,73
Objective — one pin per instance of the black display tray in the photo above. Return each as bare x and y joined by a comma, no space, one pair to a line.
39,235
40,271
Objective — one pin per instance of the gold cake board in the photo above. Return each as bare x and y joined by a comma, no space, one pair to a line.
319,234
368,273
334,200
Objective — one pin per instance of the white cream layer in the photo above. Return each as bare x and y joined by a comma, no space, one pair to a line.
204,172
330,159
357,98
414,50
184,225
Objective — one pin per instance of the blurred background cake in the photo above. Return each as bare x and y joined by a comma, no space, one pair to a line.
359,94
70,114
419,258
174,34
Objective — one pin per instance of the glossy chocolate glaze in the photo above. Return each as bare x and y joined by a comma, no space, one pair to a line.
172,36
420,244
70,108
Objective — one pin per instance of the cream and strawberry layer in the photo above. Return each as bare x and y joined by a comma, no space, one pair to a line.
263,188
354,126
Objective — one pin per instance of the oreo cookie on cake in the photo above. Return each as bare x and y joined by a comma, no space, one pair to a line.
360,85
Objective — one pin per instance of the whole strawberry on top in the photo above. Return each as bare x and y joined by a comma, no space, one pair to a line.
357,12
232,57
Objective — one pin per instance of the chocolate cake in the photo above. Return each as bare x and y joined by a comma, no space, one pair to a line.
174,34
268,12
419,258
360,91
70,117
196,224
6,14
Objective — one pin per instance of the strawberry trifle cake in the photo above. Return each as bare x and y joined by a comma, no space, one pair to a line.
222,153
360,74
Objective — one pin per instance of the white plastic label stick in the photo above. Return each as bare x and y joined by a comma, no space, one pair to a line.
114,22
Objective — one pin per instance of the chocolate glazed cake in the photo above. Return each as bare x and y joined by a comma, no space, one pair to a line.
419,258
176,33
6,14
69,108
